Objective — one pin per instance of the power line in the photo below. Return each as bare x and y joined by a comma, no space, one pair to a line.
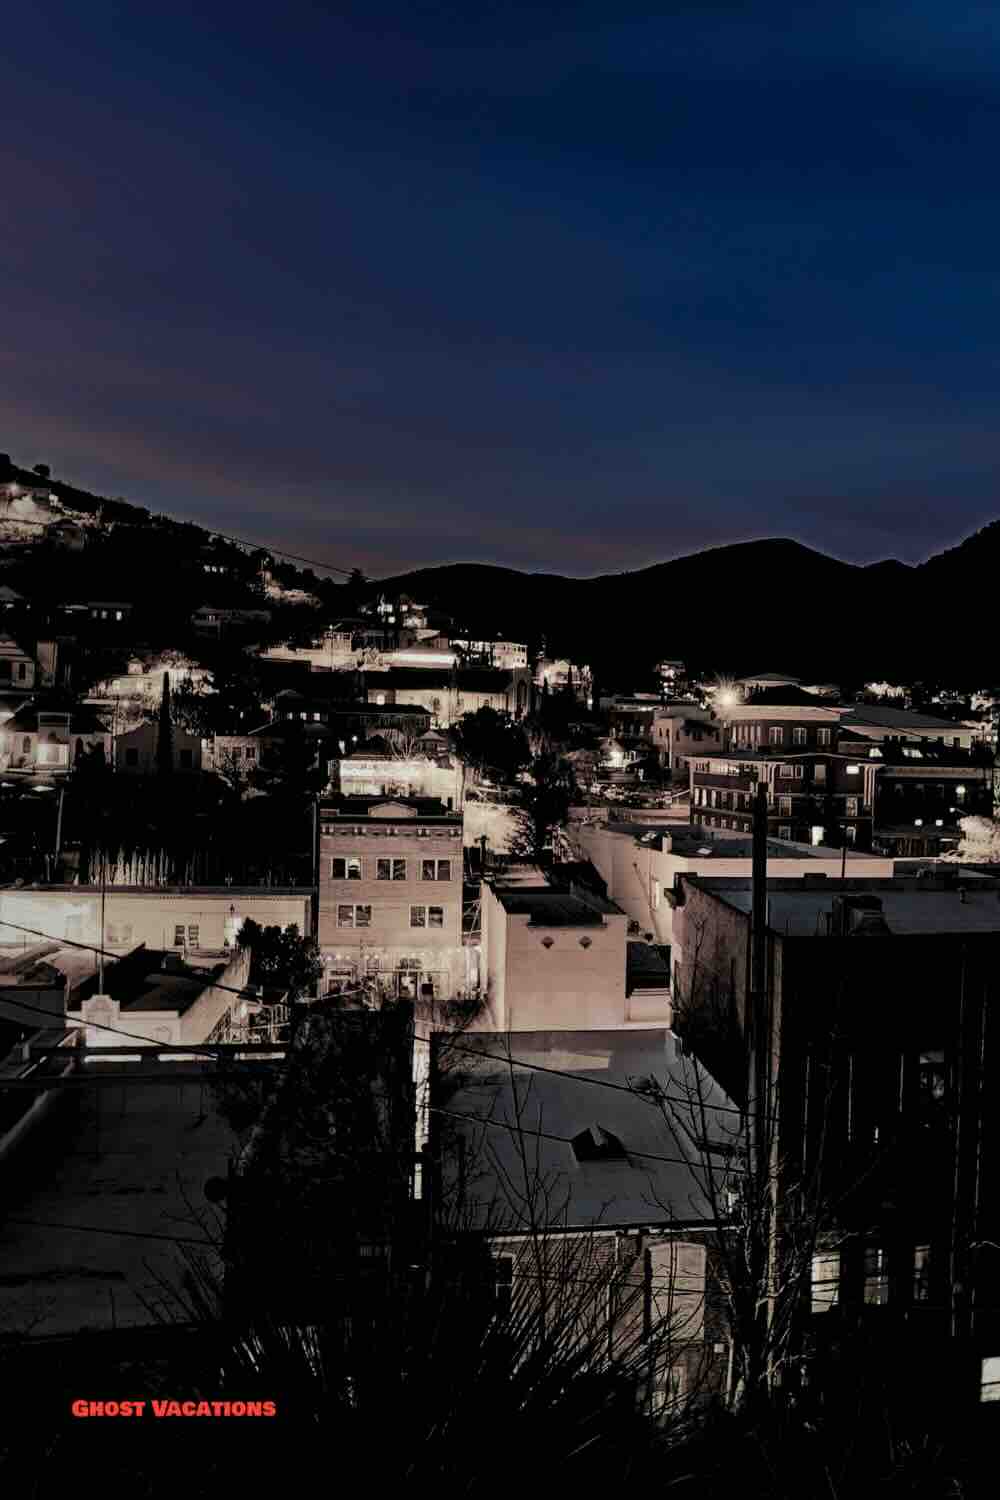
544,1135
313,562
424,1040
135,1234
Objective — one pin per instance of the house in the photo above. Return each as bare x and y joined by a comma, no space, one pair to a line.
762,682
43,741
550,1147
448,694
681,729
162,996
352,721
109,612
879,723
391,895
672,675
555,957
136,750
145,678
18,669
217,620
876,1032
557,674
504,654
330,652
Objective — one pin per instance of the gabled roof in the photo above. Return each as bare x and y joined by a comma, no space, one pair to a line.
82,719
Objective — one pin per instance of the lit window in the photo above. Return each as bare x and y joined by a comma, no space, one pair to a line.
825,1281
824,736
876,1277
922,1273
390,869
775,735
989,1389
851,807
348,868
193,934
798,736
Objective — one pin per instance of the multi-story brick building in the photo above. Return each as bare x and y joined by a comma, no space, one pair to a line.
825,773
883,1061
390,895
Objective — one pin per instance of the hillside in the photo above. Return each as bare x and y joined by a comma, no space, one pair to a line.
750,606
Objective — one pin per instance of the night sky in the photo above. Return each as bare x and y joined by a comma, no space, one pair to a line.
566,287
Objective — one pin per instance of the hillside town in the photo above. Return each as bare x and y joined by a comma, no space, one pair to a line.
520,986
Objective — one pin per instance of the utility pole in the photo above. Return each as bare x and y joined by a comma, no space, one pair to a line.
760,1114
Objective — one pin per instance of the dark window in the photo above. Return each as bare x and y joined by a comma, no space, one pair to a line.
503,1284
131,757
186,759
178,937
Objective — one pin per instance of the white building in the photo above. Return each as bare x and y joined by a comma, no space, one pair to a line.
381,774
557,960
641,865
189,919
682,729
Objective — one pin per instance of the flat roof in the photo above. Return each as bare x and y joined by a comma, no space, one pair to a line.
95,1213
908,906
546,907
653,1183
687,840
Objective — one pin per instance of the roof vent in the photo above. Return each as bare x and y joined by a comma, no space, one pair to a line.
597,1144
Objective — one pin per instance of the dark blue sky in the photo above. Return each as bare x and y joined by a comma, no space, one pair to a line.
574,287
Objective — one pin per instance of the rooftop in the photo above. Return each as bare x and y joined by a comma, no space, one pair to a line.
382,808
910,906
650,1182
901,719
688,841
95,1215
546,906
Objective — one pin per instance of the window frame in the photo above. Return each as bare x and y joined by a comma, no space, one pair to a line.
395,868
347,860
353,907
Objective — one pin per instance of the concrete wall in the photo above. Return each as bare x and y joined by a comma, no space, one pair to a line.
131,917
552,978
638,878
182,1028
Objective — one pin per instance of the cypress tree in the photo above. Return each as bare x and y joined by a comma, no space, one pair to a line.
165,735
